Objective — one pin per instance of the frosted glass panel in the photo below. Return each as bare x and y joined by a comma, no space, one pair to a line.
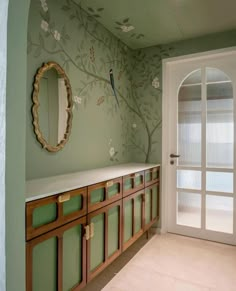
219,213
215,75
220,128
193,78
189,209
189,179
189,121
219,182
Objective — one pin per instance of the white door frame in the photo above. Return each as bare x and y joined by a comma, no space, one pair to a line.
166,103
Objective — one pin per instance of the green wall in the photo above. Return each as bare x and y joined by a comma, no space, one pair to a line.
148,88
15,144
64,33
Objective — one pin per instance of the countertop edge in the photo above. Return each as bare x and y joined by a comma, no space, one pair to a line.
46,187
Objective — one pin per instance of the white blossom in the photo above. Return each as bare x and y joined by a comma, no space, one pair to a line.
77,99
127,28
134,125
44,25
110,141
156,83
112,151
44,5
57,35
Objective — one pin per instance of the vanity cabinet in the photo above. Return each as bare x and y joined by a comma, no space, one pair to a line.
152,176
74,235
56,260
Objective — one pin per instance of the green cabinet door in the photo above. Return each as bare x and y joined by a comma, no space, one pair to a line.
151,205
56,260
104,241
132,218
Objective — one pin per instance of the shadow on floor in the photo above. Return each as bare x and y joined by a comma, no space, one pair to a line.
104,277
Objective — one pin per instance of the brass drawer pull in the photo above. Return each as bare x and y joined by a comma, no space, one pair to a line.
154,170
63,198
136,175
109,184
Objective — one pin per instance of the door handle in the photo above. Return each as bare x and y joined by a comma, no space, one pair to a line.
174,156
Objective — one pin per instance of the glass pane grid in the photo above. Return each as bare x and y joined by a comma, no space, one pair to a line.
219,213
189,209
216,191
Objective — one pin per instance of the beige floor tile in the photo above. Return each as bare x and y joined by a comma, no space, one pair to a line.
177,263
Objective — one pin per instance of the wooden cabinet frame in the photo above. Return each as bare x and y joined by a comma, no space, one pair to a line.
61,219
59,234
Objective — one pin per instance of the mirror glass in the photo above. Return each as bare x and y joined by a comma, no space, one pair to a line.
52,107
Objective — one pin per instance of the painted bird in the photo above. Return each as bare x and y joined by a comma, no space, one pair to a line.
113,86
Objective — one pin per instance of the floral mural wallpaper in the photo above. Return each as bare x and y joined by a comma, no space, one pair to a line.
117,93
108,83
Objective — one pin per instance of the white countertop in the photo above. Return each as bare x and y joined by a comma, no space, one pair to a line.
40,188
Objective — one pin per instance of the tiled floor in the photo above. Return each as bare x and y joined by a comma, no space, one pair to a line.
176,263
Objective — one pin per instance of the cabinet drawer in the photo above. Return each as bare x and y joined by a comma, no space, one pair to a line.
48,213
132,183
152,176
104,193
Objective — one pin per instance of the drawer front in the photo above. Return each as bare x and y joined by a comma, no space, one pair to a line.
152,176
132,183
48,213
102,194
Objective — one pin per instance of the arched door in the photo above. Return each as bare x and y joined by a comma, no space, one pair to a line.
201,163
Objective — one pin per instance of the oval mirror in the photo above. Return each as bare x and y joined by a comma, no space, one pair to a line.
52,107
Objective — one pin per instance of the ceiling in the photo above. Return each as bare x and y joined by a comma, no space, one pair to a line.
143,23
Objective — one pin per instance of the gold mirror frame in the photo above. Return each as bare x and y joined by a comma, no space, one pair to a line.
45,67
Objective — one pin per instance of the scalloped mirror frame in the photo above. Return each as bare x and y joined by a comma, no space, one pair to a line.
45,67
